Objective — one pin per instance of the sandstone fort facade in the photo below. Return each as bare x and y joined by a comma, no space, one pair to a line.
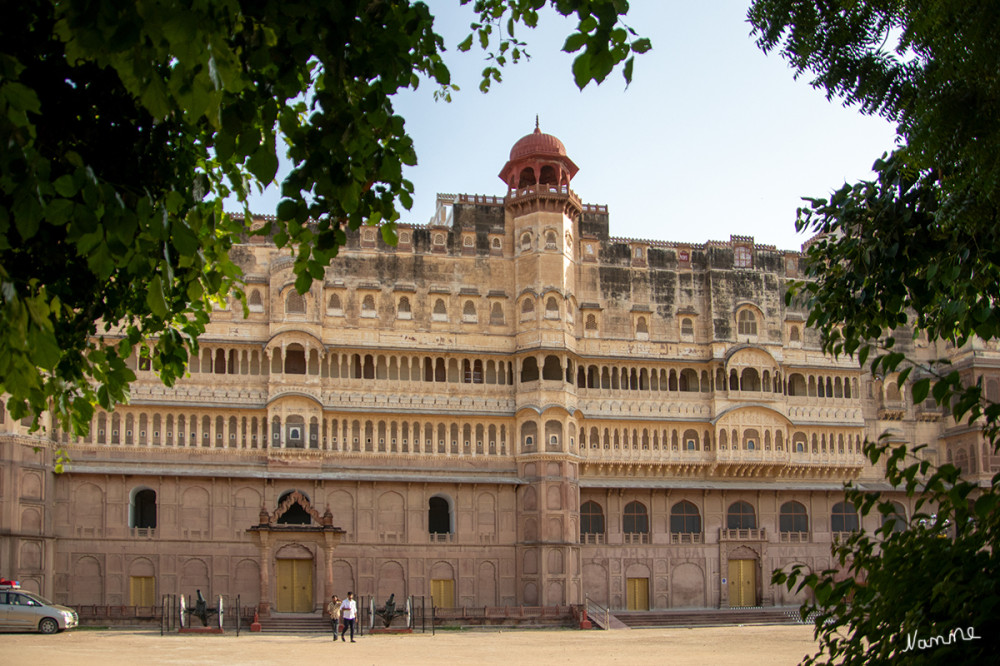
509,407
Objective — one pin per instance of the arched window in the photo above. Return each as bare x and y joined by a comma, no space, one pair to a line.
142,509
793,335
469,312
551,308
496,315
525,242
896,518
844,517
334,306
255,303
685,518
295,360
591,519
636,519
687,327
295,514
368,306
550,240
741,516
793,518
495,244
403,311
440,311
529,369
551,368
892,393
797,385
591,324
641,328
438,516
749,380
527,305
295,303
746,322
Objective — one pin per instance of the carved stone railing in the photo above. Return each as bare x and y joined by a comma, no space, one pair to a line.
681,538
794,537
758,534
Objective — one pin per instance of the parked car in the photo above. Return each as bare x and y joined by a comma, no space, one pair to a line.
26,611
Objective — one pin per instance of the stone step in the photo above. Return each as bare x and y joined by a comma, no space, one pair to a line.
704,618
302,624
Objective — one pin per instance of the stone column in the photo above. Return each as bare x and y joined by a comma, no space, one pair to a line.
265,576
329,544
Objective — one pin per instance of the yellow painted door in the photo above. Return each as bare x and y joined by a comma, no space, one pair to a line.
142,591
303,593
638,594
443,593
295,586
742,583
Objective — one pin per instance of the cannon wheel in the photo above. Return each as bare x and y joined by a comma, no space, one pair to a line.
220,611
409,610
183,610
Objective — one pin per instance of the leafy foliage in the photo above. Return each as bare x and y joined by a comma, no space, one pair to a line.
901,586
914,252
125,125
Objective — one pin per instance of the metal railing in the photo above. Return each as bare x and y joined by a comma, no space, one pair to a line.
598,614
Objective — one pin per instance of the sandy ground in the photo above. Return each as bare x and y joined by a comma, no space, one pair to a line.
732,646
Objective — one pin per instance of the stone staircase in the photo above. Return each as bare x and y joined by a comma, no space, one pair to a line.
293,623
708,618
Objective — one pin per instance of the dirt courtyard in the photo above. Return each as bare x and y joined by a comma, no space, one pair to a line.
771,645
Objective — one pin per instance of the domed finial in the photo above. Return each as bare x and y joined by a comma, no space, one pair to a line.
537,131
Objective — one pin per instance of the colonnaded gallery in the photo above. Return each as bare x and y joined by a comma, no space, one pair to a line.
510,407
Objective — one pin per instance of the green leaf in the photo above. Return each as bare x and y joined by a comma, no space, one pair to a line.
581,70
184,238
627,71
287,210
264,163
156,99
574,42
389,236
920,389
58,211
155,298
641,45
65,186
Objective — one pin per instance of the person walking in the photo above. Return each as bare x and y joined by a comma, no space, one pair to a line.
333,608
348,611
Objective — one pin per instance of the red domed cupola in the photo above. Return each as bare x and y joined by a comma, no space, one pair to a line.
538,159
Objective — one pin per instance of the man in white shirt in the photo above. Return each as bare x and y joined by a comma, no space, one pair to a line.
348,611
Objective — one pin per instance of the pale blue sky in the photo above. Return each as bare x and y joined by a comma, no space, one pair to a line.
712,138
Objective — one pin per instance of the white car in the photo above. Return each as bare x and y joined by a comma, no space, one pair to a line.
27,611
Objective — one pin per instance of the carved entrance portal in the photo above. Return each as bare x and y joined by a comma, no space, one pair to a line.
290,542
